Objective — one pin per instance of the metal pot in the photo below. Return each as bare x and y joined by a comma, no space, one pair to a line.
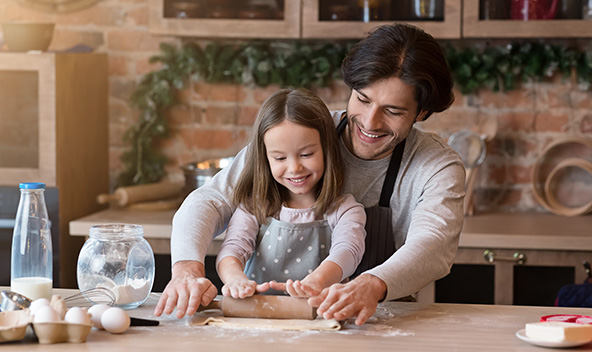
197,174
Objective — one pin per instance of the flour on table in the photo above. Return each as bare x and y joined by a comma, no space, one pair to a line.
372,329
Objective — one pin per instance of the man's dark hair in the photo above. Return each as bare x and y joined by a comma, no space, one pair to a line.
408,53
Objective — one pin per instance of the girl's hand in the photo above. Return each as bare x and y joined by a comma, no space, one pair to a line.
323,276
239,288
305,288
243,288
237,284
296,288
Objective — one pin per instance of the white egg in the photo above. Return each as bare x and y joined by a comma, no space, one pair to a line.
115,320
77,315
96,312
38,303
46,314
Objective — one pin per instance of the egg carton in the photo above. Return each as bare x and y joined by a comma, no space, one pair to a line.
61,332
13,326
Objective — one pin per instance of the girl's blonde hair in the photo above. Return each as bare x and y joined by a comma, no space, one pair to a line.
256,190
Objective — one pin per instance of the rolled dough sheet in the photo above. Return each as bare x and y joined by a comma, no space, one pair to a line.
209,318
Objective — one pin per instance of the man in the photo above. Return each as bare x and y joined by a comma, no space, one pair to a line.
411,183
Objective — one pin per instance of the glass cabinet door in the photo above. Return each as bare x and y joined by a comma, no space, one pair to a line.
19,121
354,18
226,18
27,119
381,10
527,19
225,9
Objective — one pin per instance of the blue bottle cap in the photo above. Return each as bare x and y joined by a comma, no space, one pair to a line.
31,185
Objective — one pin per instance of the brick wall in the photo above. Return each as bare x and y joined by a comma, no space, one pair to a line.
214,119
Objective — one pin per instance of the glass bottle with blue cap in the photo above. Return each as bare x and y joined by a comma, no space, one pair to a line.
31,257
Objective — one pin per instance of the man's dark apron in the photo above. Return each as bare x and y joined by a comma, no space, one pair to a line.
380,240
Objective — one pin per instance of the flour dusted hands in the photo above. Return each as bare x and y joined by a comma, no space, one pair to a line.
187,289
243,288
304,288
323,276
236,283
358,297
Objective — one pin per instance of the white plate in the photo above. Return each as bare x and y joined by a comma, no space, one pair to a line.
521,334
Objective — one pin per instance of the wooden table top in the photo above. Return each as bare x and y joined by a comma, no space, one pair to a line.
396,326
541,231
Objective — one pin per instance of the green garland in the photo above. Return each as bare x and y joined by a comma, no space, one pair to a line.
302,64
503,67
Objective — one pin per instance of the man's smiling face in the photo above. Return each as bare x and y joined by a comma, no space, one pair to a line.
379,117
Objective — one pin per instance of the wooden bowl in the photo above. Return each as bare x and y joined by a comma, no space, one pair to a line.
552,201
549,158
26,36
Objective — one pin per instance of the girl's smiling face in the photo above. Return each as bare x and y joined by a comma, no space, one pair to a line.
296,160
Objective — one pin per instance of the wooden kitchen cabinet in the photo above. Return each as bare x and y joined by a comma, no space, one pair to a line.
301,19
553,249
535,282
225,19
54,119
474,27
343,19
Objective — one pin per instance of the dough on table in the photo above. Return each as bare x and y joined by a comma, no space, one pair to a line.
216,318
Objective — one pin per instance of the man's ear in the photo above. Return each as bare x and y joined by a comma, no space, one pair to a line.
423,114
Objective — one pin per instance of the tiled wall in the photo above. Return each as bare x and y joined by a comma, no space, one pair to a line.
214,119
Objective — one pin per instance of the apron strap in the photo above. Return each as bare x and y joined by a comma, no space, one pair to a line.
342,124
391,175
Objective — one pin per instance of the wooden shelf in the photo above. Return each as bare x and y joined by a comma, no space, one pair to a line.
157,226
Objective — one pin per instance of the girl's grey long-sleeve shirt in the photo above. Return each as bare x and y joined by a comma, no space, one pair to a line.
426,204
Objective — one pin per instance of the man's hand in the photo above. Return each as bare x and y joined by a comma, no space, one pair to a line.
358,297
187,289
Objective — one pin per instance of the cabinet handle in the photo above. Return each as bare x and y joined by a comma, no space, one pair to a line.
518,258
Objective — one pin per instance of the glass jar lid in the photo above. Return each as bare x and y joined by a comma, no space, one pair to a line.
116,231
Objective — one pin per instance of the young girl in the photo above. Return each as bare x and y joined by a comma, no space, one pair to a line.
291,224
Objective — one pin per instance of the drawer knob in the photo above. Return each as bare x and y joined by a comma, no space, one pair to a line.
518,258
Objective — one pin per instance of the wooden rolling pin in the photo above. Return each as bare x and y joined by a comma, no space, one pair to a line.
264,306
142,193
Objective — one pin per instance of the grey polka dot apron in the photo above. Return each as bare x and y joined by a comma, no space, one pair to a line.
288,251
380,240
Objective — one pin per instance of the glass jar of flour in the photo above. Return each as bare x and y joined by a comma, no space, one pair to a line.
117,257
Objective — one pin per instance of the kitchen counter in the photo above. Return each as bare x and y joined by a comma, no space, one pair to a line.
538,231
396,326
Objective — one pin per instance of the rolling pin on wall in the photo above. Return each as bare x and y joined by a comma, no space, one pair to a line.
148,196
